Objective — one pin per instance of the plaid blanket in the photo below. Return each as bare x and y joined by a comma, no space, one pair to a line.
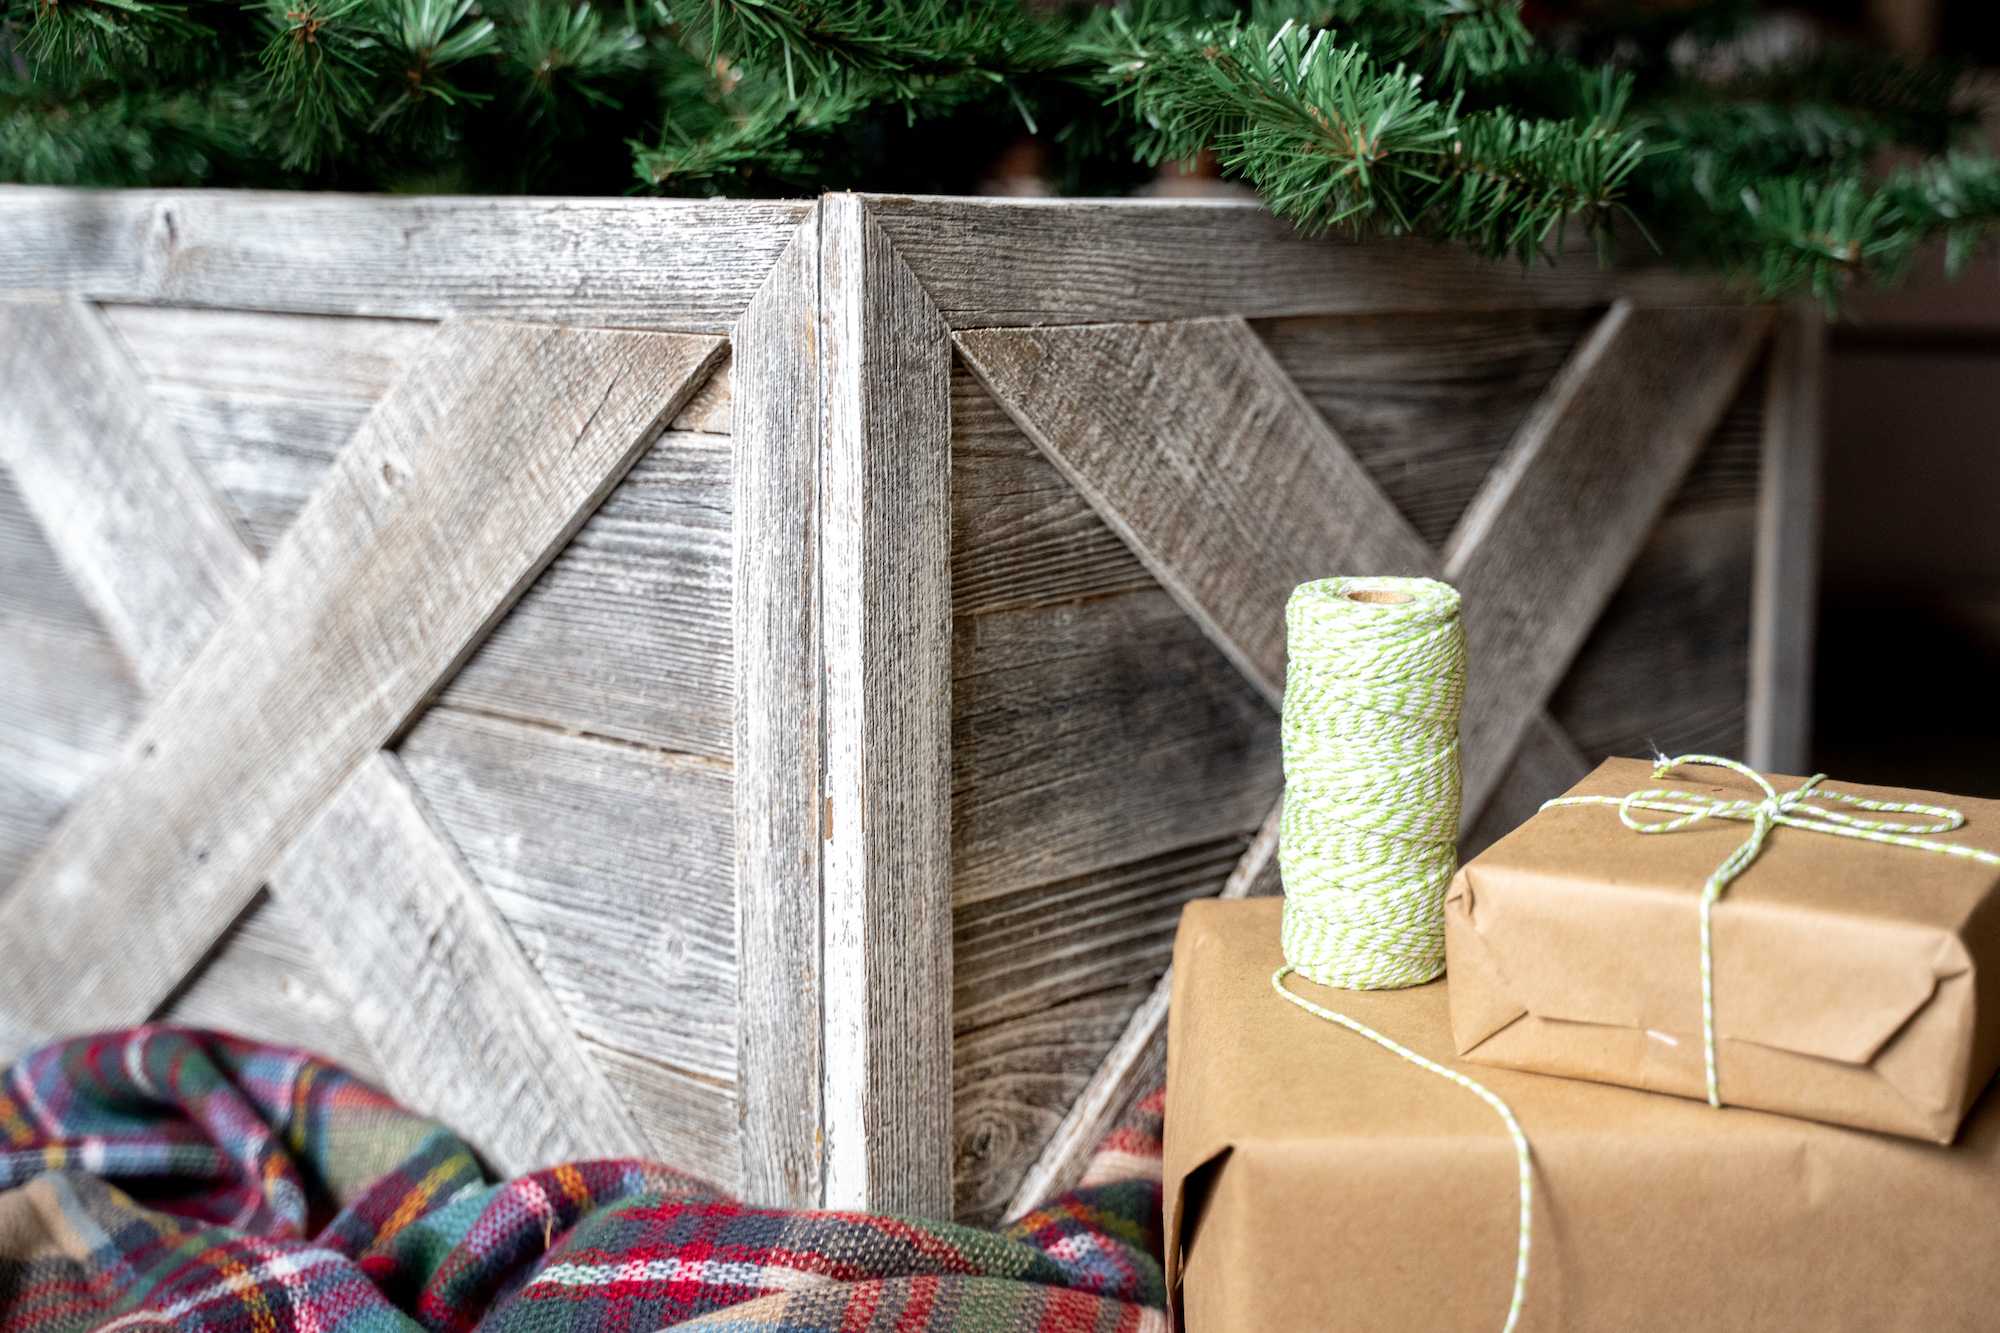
171,1178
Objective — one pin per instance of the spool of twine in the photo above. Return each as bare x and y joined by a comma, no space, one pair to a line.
1367,843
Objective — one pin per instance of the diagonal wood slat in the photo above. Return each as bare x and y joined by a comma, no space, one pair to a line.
152,549
1548,540
1193,444
1138,1060
464,1027
461,485
1230,545
101,436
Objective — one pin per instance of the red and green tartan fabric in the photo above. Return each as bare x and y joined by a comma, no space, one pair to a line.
168,1178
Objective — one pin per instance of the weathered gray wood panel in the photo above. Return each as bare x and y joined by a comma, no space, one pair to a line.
457,492
1046,943
1015,1081
779,747
425,952
1426,401
1192,444
885,585
630,263
989,262
1022,536
1090,735
1136,1064
142,537
627,632
265,981
1665,666
611,864
268,355
67,697
1549,539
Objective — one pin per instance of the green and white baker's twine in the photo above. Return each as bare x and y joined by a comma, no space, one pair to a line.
1792,809
1374,678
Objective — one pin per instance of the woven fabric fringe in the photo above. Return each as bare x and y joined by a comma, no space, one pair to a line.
167,1177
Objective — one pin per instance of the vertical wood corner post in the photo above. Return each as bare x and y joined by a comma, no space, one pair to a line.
843,726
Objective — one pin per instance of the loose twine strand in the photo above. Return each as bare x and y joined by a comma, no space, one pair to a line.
1792,809
1374,680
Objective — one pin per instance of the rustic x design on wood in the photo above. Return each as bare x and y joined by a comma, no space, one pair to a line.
956,592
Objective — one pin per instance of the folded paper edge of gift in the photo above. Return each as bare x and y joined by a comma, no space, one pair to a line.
1871,999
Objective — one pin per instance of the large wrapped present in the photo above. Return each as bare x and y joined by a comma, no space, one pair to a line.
1316,1181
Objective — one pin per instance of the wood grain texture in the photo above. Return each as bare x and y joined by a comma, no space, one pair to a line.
1022,536
1137,1062
266,354
990,262
1426,401
634,263
1188,439
460,487
778,739
1046,943
610,863
1534,562
627,632
1092,735
67,696
425,952
1013,1084
885,506
1787,559
264,981
142,536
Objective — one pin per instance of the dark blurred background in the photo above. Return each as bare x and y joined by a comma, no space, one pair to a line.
1908,683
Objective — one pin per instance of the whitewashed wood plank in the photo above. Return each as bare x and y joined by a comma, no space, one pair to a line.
778,745
636,263
1137,1062
1787,561
610,863
1544,546
461,486
1190,442
1071,261
1091,735
885,505
67,696
265,981
141,535
627,633
1426,401
270,355
497,1056
691,1120
263,455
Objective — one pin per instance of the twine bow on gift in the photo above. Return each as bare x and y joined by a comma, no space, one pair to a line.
1792,809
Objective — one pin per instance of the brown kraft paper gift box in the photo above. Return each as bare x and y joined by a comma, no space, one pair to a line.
1316,1181
1854,983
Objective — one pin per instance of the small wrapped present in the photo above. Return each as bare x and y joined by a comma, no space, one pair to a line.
1824,950
1316,1181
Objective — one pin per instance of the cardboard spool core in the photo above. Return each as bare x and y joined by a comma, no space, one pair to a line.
1375,597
